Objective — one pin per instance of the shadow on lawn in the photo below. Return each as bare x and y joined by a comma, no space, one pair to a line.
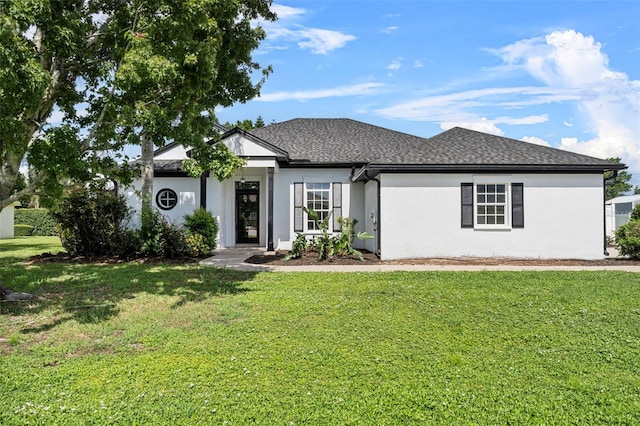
91,293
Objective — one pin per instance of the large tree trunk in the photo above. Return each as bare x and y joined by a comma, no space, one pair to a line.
146,161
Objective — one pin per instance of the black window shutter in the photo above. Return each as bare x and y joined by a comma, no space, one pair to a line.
337,204
466,189
298,199
517,205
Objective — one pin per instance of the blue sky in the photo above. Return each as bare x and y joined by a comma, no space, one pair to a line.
564,74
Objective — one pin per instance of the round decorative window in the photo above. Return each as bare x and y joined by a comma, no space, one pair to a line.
166,199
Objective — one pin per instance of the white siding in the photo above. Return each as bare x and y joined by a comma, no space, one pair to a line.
283,199
187,189
420,217
177,152
242,146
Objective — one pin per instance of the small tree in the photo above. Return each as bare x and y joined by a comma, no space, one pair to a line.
619,184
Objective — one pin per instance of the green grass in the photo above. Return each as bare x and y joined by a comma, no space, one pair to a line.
167,344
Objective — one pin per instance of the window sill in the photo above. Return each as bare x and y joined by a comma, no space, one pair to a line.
492,228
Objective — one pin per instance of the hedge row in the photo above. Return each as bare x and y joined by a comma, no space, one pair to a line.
41,220
22,230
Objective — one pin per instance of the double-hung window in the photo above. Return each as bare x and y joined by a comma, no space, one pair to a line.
492,204
324,198
318,200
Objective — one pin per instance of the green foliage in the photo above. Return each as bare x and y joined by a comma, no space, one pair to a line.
43,222
21,230
196,245
157,237
246,124
618,185
92,222
217,158
203,223
153,71
628,239
327,245
628,235
298,247
324,243
158,343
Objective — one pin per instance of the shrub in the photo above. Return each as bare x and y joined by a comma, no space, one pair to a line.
158,237
635,213
204,223
92,222
628,239
21,230
196,245
42,221
298,247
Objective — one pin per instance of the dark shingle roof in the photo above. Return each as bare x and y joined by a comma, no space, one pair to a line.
346,141
338,140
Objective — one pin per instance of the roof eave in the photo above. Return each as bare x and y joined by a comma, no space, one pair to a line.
501,168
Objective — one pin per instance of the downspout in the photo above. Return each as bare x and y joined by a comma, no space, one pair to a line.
604,210
378,222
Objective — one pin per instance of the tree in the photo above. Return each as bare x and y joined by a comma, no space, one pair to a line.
619,184
120,72
247,124
636,190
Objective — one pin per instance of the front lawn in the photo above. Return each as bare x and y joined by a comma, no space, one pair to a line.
169,344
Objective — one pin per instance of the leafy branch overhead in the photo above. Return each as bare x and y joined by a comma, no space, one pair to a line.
125,72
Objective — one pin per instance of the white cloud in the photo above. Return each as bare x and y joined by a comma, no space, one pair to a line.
418,64
572,70
481,125
390,29
287,30
286,12
536,140
395,65
322,41
304,95
460,106
609,100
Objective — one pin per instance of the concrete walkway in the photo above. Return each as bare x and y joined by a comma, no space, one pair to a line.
234,258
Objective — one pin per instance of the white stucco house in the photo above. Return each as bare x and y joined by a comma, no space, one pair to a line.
459,193
618,211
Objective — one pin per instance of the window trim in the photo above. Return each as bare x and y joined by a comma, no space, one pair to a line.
514,203
506,205
305,203
161,205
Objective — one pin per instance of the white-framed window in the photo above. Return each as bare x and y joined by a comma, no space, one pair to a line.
492,203
325,198
318,199
166,199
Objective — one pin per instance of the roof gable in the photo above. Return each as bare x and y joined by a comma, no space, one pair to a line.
245,144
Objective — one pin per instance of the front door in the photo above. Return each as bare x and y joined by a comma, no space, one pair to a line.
247,209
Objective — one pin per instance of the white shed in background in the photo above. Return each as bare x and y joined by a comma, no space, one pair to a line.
618,211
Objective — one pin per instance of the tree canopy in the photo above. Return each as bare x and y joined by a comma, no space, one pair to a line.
119,72
617,184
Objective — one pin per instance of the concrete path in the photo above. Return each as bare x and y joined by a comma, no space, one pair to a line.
235,258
